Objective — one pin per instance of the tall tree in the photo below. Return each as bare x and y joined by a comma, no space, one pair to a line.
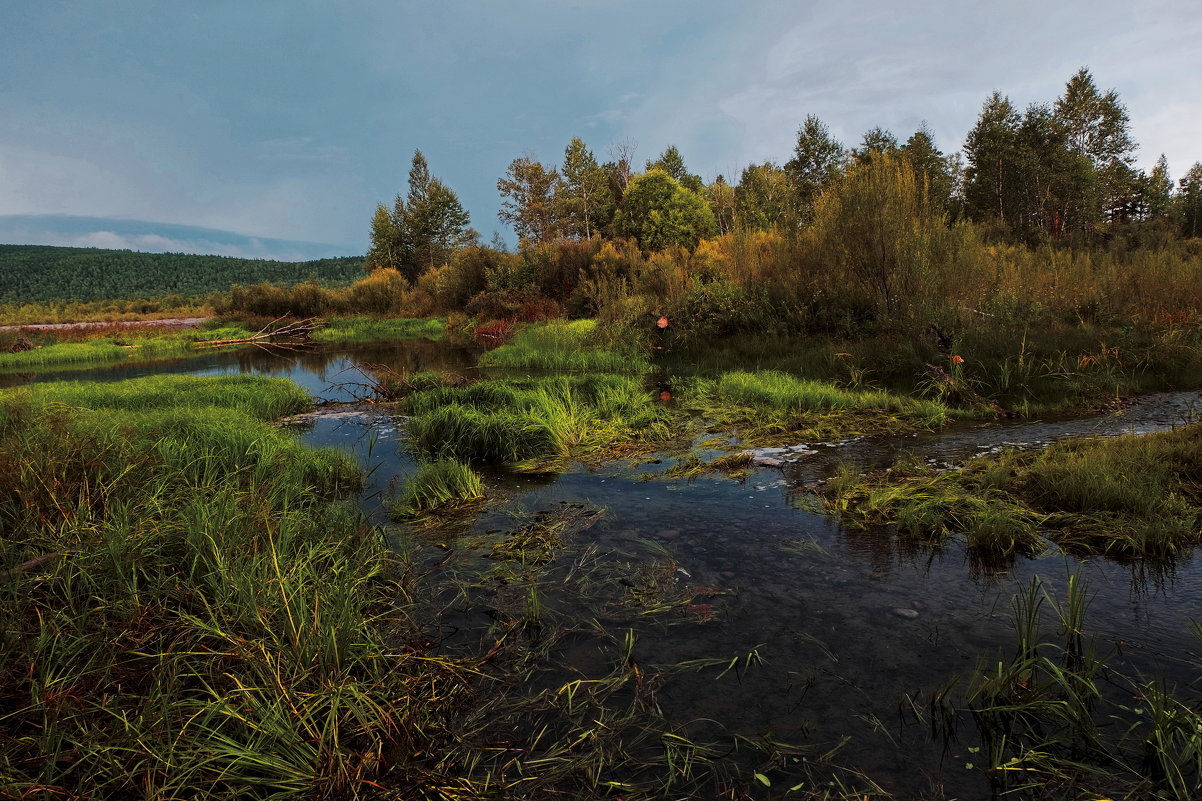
1189,201
721,197
528,190
764,197
877,141
1097,127
386,241
585,199
1157,190
671,162
991,149
817,160
422,229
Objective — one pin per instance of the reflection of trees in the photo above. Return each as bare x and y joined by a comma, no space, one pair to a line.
413,355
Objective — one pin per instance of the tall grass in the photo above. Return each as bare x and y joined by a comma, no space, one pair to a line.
114,346
561,345
534,421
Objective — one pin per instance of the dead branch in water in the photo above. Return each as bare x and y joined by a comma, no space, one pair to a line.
289,335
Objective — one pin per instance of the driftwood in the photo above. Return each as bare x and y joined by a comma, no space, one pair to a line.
289,335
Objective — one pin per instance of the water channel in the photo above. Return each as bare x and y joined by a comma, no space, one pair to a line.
843,624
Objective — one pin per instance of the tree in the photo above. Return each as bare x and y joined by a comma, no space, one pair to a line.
721,197
991,148
817,160
660,213
929,164
528,189
423,229
764,198
671,162
1097,127
877,141
585,199
1157,190
386,241
1189,201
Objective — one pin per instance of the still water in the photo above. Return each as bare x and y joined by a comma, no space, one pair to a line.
844,626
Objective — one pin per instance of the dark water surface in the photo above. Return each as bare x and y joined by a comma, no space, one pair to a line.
844,625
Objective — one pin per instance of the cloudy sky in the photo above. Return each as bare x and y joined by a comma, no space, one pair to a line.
289,120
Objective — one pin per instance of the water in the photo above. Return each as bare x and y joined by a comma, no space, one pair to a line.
843,625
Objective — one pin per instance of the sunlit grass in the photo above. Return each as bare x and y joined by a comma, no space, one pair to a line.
368,329
561,345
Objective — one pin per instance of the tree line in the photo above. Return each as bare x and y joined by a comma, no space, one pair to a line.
39,273
1060,172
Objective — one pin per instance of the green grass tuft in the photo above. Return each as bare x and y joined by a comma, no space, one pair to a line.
436,486
562,345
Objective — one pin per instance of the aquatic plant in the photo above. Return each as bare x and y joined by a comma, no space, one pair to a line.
1057,713
437,485
1118,496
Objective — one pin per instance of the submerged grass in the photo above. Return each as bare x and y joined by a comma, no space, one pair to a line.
1129,496
1055,720
562,345
535,423
367,329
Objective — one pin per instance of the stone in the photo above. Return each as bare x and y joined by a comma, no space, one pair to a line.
908,614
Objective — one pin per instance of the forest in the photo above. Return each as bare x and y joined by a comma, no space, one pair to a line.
39,273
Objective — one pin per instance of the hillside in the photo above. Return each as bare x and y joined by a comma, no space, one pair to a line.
33,273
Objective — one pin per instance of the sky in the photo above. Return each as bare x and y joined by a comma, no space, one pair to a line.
286,121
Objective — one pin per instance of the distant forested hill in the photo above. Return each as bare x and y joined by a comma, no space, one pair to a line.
31,273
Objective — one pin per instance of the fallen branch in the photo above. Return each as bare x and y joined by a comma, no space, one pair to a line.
292,334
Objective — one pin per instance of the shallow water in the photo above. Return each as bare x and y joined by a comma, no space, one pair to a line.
845,624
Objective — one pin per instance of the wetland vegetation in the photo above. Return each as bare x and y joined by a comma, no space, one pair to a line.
526,571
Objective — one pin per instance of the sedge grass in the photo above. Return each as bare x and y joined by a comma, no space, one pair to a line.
560,345
1057,718
437,485
370,329
534,422
771,404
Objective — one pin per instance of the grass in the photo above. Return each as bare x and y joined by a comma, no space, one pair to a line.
369,329
771,404
562,345
1129,496
534,423
1057,719
113,345
437,486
